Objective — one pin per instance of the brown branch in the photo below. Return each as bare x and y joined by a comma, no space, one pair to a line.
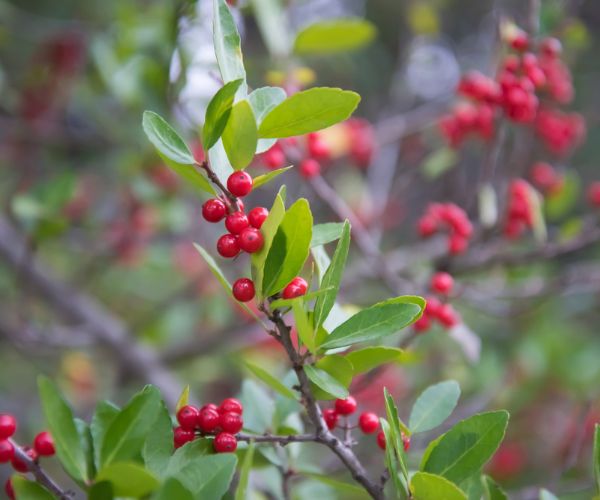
233,201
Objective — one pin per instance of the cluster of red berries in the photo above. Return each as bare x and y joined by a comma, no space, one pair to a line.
43,446
223,422
545,177
442,284
449,217
519,213
368,422
593,194
523,78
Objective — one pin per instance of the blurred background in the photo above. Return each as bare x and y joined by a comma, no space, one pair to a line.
101,288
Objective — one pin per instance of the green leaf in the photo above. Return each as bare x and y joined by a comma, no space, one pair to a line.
227,43
158,446
270,380
103,416
262,101
337,367
391,460
289,249
216,270
492,490
272,21
219,162
326,382
208,476
333,277
546,495
331,37
379,320
364,360
465,448
326,233
218,112
261,180
172,489
439,161
427,486
101,491
355,492
433,406
259,407
309,111
304,327
307,297
184,398
240,135
187,454
61,425
85,438
241,491
29,490
268,230
129,479
125,436
596,457
395,433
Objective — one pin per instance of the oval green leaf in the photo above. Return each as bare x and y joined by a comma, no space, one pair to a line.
227,43
330,37
270,380
433,406
129,479
364,360
217,113
338,368
326,382
240,135
427,486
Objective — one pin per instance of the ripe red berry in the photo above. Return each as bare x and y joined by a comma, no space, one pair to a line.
208,420
187,416
381,440
309,168
182,436
236,222
231,405
214,210
243,289
432,307
257,216
448,316
19,465
231,422
227,246
345,406
457,244
405,441
317,148
7,451
225,443
9,490
427,226
295,288
8,425
442,283
551,47
239,183
519,41
251,240
331,418
44,444
210,406
368,422
274,158
593,194
422,324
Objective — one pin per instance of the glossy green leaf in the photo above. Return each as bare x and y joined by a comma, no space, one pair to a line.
29,490
433,406
263,100
268,230
596,457
289,249
61,425
184,398
261,180
331,37
102,490
87,445
378,321
240,135
273,382
492,490
395,432
333,277
337,367
355,492
187,454
304,327
103,417
309,111
391,461
129,479
364,360
227,44
125,435
158,446
425,486
326,233
173,489
208,476
464,449
547,495
218,112
241,492
217,157
326,382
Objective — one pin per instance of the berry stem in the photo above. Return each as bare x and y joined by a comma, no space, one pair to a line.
233,201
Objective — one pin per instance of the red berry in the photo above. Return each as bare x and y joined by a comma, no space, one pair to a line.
422,324
8,489
243,289
551,47
274,158
7,451
225,443
442,283
228,246
231,405
427,226
187,416
309,168
208,420
19,465
345,406
317,148
231,422
519,41
295,288
257,216
368,422
381,440
432,307
182,436
214,210
251,240
8,425
236,222
405,441
239,183
457,244
44,444
447,316
331,418
210,406
593,194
